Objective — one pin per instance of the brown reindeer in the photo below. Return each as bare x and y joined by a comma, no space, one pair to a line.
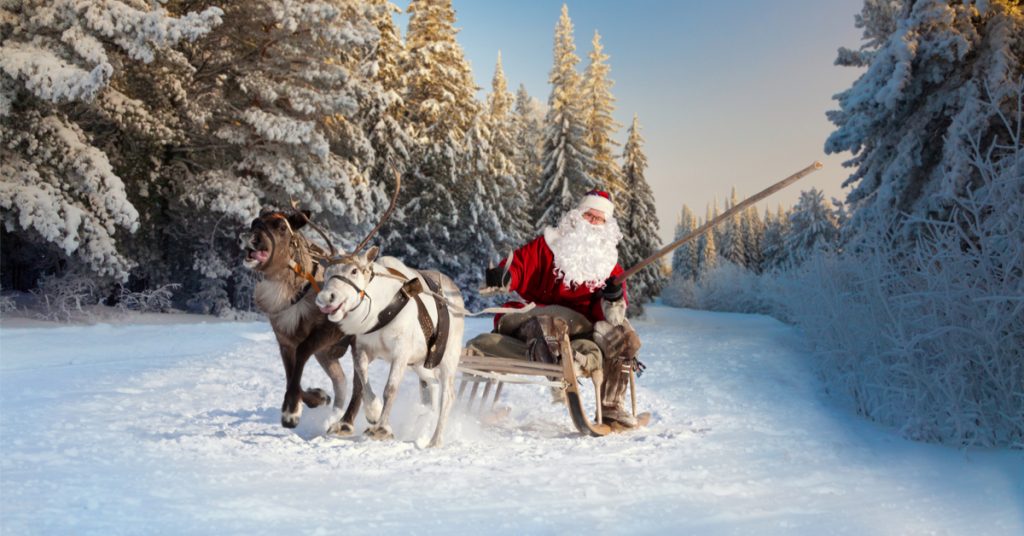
287,293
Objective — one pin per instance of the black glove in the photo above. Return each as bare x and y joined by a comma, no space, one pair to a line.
611,292
497,277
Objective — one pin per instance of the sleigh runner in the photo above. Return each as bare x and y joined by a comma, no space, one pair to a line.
494,372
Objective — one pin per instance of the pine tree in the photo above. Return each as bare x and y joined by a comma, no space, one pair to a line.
684,258
812,226
493,219
479,197
707,255
567,159
716,231
439,101
389,53
64,95
381,111
297,124
916,111
638,222
598,107
293,78
512,188
730,239
752,232
773,246
529,135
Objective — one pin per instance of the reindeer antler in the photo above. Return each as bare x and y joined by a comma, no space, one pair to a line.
317,228
394,200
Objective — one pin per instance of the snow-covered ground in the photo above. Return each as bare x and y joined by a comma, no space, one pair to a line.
174,428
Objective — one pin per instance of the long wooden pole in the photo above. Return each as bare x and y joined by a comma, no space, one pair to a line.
725,215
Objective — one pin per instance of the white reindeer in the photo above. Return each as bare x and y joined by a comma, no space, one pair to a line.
355,293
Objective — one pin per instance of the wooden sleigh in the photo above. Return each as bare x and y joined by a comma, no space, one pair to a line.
494,372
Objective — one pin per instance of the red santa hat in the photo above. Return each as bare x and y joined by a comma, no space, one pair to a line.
600,200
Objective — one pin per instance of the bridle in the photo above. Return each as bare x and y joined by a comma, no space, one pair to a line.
408,287
363,296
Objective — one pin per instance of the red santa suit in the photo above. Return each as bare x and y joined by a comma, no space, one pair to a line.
534,278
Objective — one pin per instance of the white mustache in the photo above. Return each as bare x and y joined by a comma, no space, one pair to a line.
585,254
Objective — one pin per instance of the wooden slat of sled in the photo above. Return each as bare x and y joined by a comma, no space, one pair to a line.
473,363
476,376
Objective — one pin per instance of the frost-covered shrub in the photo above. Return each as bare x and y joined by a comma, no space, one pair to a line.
919,321
7,305
210,298
728,287
155,300
240,315
243,285
65,297
680,292
929,338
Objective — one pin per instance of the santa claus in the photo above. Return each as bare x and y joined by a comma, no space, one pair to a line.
570,265
568,272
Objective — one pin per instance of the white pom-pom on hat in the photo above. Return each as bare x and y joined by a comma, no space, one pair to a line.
600,200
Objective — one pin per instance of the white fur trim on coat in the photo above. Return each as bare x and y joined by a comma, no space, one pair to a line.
551,234
598,202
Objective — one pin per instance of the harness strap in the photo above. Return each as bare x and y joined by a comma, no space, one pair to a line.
409,289
426,326
437,340
436,337
310,277
310,281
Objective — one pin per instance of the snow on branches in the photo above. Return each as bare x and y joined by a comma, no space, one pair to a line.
54,54
904,118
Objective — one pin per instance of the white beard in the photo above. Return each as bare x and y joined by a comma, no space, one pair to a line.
585,254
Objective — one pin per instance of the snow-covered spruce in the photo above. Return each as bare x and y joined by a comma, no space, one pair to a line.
567,159
55,182
638,218
441,109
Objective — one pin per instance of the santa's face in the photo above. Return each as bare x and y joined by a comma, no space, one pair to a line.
584,245
594,217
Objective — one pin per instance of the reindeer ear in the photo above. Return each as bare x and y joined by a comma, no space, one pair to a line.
371,253
298,219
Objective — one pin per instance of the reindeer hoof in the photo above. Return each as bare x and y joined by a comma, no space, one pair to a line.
315,398
379,433
341,429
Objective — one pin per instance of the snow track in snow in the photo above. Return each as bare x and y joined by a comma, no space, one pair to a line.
175,429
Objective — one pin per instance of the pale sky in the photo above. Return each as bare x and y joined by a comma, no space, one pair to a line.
727,93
